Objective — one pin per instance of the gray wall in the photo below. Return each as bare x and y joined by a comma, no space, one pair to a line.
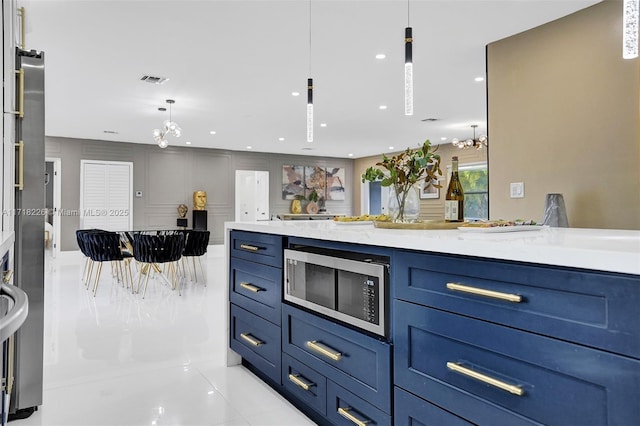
168,177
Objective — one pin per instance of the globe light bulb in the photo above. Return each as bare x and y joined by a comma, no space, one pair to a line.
163,143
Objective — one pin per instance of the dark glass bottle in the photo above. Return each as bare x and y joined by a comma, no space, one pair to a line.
454,201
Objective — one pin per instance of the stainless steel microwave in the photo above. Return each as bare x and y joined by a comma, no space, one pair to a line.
349,287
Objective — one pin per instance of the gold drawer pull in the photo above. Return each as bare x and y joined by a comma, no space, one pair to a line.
301,382
251,287
345,412
516,298
516,390
250,339
249,247
324,350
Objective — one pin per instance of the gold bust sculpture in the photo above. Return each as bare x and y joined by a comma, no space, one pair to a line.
182,210
199,200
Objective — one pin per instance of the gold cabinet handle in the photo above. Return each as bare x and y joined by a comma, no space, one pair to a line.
21,14
251,339
20,110
7,275
20,165
346,413
516,390
249,247
251,287
301,381
516,298
324,350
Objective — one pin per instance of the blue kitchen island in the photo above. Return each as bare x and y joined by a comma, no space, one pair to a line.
508,328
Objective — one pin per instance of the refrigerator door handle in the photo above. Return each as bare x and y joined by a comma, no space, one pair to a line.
20,111
20,165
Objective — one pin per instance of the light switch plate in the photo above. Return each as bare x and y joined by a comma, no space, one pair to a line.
517,190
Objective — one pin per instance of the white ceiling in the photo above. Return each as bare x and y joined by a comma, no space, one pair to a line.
232,66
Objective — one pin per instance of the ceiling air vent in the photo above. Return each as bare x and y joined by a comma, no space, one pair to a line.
153,80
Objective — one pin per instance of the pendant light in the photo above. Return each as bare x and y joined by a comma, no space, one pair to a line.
408,66
630,25
479,143
310,89
170,127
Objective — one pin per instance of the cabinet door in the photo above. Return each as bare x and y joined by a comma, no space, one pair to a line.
413,411
597,309
255,247
305,383
256,340
360,363
490,374
257,288
346,409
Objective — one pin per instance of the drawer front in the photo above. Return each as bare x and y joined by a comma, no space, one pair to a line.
413,411
257,288
592,308
354,360
256,340
346,409
490,374
259,248
305,383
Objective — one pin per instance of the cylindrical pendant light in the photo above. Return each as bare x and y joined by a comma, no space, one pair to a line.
630,24
310,110
408,72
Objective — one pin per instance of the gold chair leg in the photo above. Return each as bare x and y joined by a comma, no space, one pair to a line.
178,283
195,272
204,277
130,275
146,283
98,273
86,282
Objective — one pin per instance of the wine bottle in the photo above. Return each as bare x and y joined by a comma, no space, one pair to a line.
454,201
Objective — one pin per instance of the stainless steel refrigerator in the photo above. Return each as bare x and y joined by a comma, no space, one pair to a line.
28,264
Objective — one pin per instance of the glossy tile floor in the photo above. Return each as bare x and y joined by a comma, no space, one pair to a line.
118,359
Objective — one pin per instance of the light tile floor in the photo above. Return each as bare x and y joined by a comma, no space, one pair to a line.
118,359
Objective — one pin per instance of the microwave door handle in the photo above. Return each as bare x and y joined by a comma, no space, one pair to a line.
290,270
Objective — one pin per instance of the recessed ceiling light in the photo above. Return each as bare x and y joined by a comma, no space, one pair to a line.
295,93
110,132
280,139
479,79
249,147
188,143
444,138
382,107
323,124
392,147
213,132
349,155
381,56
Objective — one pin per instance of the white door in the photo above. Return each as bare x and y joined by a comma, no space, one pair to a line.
106,195
252,195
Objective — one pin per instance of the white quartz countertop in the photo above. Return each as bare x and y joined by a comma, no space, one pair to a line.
596,249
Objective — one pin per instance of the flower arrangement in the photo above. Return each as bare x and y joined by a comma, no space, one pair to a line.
403,171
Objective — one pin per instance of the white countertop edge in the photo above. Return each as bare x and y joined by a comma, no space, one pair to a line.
594,249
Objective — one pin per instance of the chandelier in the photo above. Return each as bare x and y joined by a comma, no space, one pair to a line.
169,128
479,143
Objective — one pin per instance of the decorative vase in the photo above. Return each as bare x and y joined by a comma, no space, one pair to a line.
404,207
296,207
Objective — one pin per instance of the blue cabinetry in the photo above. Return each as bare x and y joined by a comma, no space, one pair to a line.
500,343
255,293
357,362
